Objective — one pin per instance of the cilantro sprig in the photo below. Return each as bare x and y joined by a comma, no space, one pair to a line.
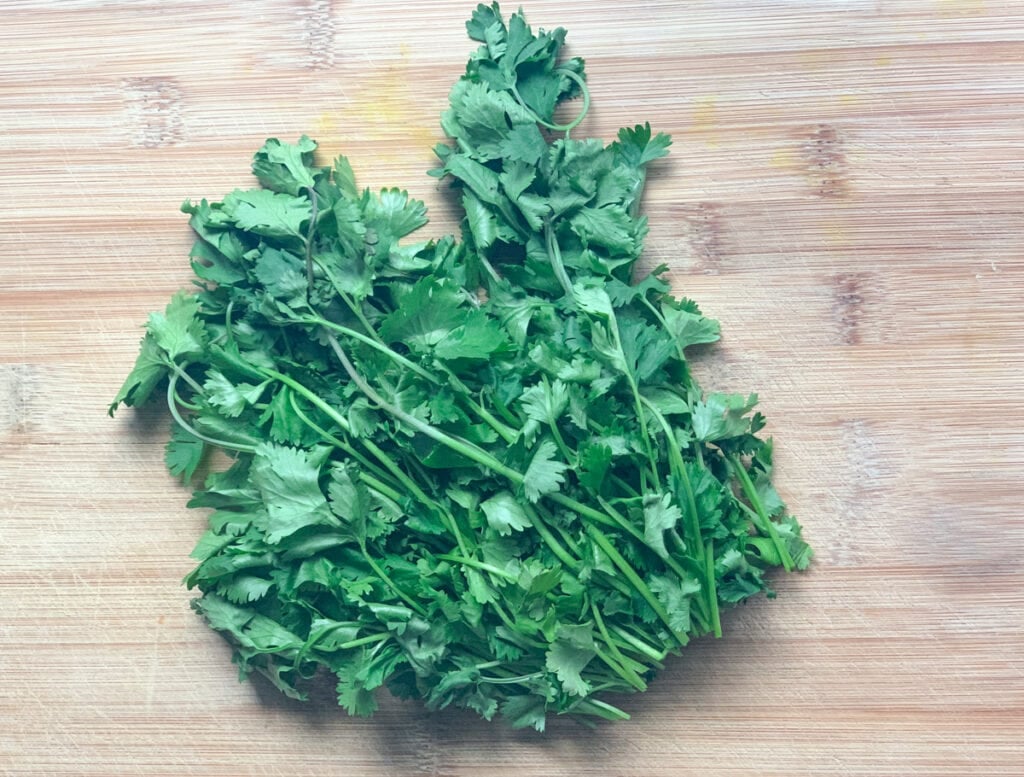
476,472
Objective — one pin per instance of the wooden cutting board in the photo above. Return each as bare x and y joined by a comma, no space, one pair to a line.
846,194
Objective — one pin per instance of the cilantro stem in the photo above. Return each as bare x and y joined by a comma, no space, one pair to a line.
630,674
391,583
482,566
388,463
697,550
180,372
356,309
635,391
557,266
179,401
709,560
523,678
664,325
592,706
363,641
309,239
338,443
630,574
767,525
639,645
508,434
549,539
467,449
172,407
376,345
566,128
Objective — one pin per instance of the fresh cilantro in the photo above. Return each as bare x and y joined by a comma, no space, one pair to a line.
477,472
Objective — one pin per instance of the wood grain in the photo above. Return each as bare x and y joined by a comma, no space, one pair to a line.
846,194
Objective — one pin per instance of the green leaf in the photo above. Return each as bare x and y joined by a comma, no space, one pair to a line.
675,595
284,167
483,225
504,513
722,416
283,275
545,474
524,143
525,711
268,213
569,655
595,461
637,147
229,398
476,338
689,327
243,589
178,331
545,402
150,368
345,178
288,482
350,501
610,227
660,516
183,453
425,317
357,700
393,214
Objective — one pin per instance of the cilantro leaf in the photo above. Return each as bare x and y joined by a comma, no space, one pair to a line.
288,482
545,474
183,453
267,213
504,514
569,655
177,331
283,167
722,416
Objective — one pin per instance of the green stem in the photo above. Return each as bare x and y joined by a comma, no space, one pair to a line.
309,240
635,391
709,556
767,525
523,678
566,128
630,574
664,325
337,442
379,570
482,566
507,433
555,255
363,641
549,539
385,460
697,550
171,406
592,706
629,675
467,449
639,645
375,344
180,372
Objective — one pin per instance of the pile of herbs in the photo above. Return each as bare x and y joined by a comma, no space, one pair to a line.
477,472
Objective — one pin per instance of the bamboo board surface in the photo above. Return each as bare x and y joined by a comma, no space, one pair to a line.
846,194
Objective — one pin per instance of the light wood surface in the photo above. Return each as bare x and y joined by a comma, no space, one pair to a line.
846,194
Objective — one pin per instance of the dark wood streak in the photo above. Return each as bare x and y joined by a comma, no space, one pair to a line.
153,106
824,154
